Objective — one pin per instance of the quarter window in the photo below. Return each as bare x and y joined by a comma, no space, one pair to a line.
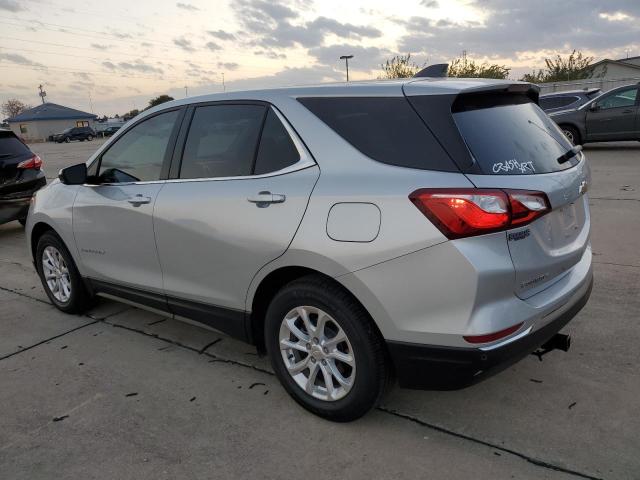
138,155
624,98
276,150
222,141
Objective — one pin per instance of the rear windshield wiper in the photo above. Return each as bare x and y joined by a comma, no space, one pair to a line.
573,151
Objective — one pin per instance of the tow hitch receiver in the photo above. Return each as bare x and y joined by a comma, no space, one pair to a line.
558,342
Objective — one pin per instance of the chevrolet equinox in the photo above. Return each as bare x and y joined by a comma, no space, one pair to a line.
431,231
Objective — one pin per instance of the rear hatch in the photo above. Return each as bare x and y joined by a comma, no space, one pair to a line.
500,138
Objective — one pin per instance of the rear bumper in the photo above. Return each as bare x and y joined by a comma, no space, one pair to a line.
449,368
15,205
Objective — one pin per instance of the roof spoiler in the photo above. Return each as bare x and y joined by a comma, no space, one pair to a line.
439,70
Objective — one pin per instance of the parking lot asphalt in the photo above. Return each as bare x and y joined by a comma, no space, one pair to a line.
123,393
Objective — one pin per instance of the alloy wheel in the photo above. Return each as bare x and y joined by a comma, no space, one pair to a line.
317,353
56,274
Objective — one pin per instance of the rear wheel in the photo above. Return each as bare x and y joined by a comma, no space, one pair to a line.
325,349
572,134
60,277
90,137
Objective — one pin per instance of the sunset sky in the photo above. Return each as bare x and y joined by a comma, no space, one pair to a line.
110,57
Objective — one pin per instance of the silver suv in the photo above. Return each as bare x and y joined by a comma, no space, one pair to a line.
432,231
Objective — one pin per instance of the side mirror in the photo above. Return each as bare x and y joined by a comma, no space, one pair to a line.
594,107
74,175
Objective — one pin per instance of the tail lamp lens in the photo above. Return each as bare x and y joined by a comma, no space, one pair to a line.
492,337
468,212
34,163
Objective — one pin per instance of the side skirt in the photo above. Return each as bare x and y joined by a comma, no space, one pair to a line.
232,322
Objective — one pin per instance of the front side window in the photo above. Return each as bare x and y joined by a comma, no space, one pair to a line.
222,141
623,98
138,155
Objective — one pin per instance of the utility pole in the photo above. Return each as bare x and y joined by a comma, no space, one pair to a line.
90,101
224,88
346,61
186,92
42,93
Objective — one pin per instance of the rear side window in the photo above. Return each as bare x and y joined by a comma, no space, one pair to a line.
385,129
276,150
222,141
510,135
10,146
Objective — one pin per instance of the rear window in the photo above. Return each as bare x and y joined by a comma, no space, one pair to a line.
10,146
386,129
510,135
557,102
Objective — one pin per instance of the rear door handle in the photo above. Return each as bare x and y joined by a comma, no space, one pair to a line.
264,199
138,200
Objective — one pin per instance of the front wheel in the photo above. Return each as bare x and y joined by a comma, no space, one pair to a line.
572,134
67,140
90,137
59,275
325,349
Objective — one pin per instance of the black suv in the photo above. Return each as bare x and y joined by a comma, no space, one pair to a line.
20,177
75,133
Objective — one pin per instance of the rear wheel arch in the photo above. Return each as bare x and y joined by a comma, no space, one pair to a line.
272,284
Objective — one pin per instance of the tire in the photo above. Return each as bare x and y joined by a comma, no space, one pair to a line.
365,377
572,134
90,137
67,140
23,221
78,299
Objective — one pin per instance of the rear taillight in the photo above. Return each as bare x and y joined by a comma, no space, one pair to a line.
492,337
33,163
465,212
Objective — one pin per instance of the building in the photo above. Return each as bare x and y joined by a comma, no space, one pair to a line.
605,75
39,123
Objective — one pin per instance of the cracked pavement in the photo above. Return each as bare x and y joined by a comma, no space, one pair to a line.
124,393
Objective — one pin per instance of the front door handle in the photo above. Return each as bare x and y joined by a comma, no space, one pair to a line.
264,199
138,200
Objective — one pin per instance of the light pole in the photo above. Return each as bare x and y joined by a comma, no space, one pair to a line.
346,61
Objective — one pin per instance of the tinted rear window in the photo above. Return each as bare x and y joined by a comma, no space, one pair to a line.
385,129
511,136
10,146
557,102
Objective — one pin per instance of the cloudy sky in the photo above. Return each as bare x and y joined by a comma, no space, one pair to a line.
112,56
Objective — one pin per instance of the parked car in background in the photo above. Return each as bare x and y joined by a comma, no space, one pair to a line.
75,133
612,116
435,230
553,102
107,132
20,176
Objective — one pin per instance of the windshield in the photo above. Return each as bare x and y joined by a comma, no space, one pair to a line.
515,139
67,130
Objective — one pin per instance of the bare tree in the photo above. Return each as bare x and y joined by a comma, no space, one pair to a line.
13,107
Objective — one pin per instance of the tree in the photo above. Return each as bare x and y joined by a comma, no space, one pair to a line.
464,68
13,107
158,100
399,66
560,69
133,113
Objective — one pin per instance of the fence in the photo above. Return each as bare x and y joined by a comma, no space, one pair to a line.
601,83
